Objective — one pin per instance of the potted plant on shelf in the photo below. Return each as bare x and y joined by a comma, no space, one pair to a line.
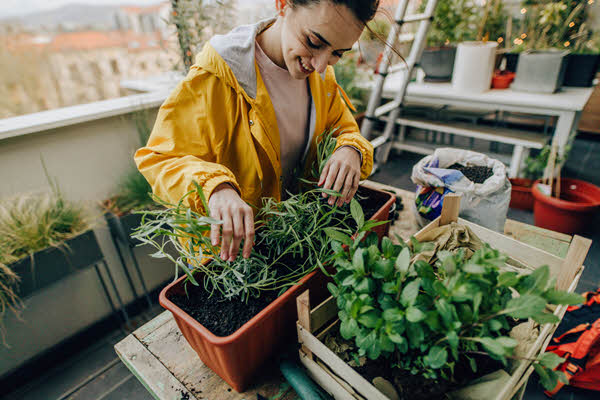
450,25
476,55
521,196
235,315
542,65
45,237
422,320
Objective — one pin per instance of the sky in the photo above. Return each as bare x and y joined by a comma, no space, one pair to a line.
20,7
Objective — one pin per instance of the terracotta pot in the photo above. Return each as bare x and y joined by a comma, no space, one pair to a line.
520,196
238,357
573,212
502,80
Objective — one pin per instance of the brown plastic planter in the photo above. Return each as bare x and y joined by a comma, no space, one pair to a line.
237,357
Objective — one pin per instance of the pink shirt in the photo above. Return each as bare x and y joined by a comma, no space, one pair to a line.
291,101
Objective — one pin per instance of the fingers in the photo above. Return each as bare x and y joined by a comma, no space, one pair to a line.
338,185
248,234
349,188
238,234
215,229
323,177
227,236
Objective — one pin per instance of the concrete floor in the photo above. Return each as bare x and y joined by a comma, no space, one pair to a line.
96,372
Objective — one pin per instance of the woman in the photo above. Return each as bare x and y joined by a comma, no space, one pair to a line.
248,114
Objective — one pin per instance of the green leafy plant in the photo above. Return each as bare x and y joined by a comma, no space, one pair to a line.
427,318
454,21
535,165
293,237
30,223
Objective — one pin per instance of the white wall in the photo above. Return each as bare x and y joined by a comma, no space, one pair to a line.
87,159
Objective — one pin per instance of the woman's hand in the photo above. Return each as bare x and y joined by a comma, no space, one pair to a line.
342,174
226,205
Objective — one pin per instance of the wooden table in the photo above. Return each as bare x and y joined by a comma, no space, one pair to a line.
160,357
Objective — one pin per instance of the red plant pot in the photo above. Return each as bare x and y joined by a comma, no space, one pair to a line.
520,196
572,212
502,80
238,357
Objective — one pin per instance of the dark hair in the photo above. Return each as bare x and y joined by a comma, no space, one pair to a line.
363,10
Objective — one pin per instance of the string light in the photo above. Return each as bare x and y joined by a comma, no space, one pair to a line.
518,41
523,35
572,24
500,40
524,10
567,43
590,1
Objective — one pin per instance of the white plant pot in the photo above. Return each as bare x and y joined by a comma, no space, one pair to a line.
474,66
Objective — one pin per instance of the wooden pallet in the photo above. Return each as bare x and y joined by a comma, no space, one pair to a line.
343,382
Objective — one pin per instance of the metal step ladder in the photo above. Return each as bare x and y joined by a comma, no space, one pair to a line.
376,112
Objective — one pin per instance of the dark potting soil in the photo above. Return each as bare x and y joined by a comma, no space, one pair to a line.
416,387
222,316
475,174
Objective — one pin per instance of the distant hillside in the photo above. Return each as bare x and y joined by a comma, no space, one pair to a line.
74,15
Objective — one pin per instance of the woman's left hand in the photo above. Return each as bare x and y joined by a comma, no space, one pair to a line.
341,174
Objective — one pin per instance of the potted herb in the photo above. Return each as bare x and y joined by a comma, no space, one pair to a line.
237,314
424,319
542,65
45,237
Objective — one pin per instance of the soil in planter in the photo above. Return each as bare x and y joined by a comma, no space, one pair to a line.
476,174
222,316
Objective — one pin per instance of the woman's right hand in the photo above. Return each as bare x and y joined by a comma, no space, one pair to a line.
226,205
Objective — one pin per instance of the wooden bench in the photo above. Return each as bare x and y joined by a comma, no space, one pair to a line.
523,141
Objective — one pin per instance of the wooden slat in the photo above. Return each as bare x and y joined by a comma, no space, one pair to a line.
155,377
342,369
574,261
325,380
153,324
552,242
303,308
432,225
450,209
515,249
322,314
495,134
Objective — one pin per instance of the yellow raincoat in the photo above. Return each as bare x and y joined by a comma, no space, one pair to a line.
219,125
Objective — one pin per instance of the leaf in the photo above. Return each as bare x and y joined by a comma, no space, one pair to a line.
397,338
525,306
335,234
508,279
507,342
382,268
364,285
389,288
473,268
492,346
413,314
358,261
403,262
387,247
350,280
410,293
537,280
547,379
550,360
560,297
393,315
333,289
546,318
436,358
357,213
494,325
370,318
349,328
452,339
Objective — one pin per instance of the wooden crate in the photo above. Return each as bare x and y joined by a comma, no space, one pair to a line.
343,382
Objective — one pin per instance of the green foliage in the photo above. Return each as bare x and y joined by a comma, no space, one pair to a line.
535,165
453,22
29,223
426,318
347,75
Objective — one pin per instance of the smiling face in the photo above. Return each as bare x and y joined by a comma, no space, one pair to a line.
315,36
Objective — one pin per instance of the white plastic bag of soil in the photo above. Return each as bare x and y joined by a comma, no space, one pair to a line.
485,204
